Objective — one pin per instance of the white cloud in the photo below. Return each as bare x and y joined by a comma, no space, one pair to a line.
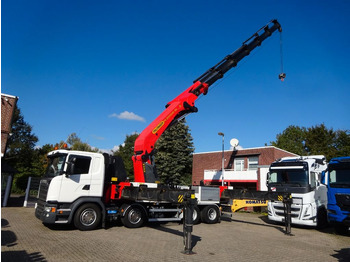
115,148
110,151
128,116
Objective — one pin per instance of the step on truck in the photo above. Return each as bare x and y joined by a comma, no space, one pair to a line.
338,183
301,177
89,189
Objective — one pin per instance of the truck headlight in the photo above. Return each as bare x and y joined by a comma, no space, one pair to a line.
50,209
297,201
330,211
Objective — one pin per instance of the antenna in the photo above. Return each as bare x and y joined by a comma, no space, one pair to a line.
234,143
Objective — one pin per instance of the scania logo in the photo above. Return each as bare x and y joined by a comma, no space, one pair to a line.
347,197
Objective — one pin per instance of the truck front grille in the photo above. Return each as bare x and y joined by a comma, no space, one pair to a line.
43,188
279,210
39,208
343,201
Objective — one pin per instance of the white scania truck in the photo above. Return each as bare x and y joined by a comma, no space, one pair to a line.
300,176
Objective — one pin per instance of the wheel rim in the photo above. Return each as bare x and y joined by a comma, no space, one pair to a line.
134,216
195,214
212,214
88,217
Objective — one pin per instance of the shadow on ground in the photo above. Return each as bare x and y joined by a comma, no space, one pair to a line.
9,239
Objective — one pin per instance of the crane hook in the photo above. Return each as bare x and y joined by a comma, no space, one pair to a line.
282,76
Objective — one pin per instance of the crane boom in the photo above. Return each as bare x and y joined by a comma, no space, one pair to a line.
183,104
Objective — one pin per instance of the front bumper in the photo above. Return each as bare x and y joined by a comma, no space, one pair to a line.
46,212
337,216
300,214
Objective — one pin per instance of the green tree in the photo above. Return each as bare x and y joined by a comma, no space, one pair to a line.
315,140
292,139
41,163
76,144
342,143
174,155
126,151
320,141
21,153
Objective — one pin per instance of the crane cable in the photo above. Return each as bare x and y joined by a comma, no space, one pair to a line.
282,75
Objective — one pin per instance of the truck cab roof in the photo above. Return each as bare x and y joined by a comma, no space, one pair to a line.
75,152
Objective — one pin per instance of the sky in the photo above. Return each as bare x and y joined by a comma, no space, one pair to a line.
106,69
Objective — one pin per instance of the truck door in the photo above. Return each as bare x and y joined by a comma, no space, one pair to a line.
77,181
320,189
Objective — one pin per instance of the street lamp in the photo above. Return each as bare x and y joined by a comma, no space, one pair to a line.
223,158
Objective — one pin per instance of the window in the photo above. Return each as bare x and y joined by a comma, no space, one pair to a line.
273,177
239,164
55,166
339,174
253,163
81,164
298,177
332,177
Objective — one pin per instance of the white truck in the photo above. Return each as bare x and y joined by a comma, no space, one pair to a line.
301,177
83,188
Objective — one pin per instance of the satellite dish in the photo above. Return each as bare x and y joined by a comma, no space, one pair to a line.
234,142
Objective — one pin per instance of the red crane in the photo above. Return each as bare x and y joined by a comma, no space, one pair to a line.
183,104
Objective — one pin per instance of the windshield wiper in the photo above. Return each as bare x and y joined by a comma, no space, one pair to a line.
275,183
284,183
296,183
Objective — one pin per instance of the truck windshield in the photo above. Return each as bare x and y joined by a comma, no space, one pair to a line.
55,166
297,177
339,175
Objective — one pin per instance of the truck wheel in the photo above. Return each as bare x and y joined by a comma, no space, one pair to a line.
322,218
210,214
87,217
196,215
134,217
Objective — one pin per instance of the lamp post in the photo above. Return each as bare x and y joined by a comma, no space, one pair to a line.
223,158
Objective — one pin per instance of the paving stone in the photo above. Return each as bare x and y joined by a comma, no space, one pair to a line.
245,237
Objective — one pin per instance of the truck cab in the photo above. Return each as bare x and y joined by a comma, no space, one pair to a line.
300,176
72,179
338,183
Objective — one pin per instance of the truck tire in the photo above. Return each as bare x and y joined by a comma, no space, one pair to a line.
134,217
322,218
87,217
210,214
196,215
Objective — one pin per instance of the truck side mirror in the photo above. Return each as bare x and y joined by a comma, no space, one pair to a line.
70,167
267,179
323,177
